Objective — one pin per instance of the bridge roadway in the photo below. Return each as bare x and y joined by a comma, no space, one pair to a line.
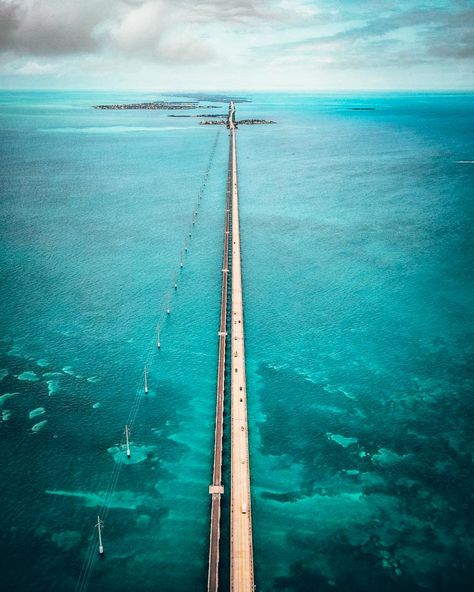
216,489
241,551
241,548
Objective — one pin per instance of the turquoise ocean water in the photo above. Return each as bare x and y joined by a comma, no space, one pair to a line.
357,260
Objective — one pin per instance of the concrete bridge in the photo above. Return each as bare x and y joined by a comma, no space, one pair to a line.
241,548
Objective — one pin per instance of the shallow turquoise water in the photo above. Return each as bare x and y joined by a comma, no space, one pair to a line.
357,259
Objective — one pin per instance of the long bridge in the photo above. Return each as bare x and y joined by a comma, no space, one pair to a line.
241,548
216,489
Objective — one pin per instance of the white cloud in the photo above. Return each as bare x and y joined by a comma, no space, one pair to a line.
140,29
36,69
235,43
181,46
155,30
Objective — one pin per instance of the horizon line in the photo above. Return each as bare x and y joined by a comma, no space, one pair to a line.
254,91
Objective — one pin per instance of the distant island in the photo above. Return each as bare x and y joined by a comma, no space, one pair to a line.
211,118
193,101
202,115
241,122
254,122
214,98
157,105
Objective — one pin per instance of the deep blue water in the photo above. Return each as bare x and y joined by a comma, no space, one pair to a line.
357,258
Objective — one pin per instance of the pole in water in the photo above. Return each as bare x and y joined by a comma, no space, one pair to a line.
168,309
175,282
158,344
127,441
99,530
181,260
145,380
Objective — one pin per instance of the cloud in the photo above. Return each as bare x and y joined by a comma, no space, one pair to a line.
140,29
35,69
46,27
452,36
223,10
183,48
223,41
9,21
43,27
154,30
398,36
158,30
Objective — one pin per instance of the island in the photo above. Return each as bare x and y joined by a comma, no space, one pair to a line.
205,115
195,102
157,105
254,122
241,122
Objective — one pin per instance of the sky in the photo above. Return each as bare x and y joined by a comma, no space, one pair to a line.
291,45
